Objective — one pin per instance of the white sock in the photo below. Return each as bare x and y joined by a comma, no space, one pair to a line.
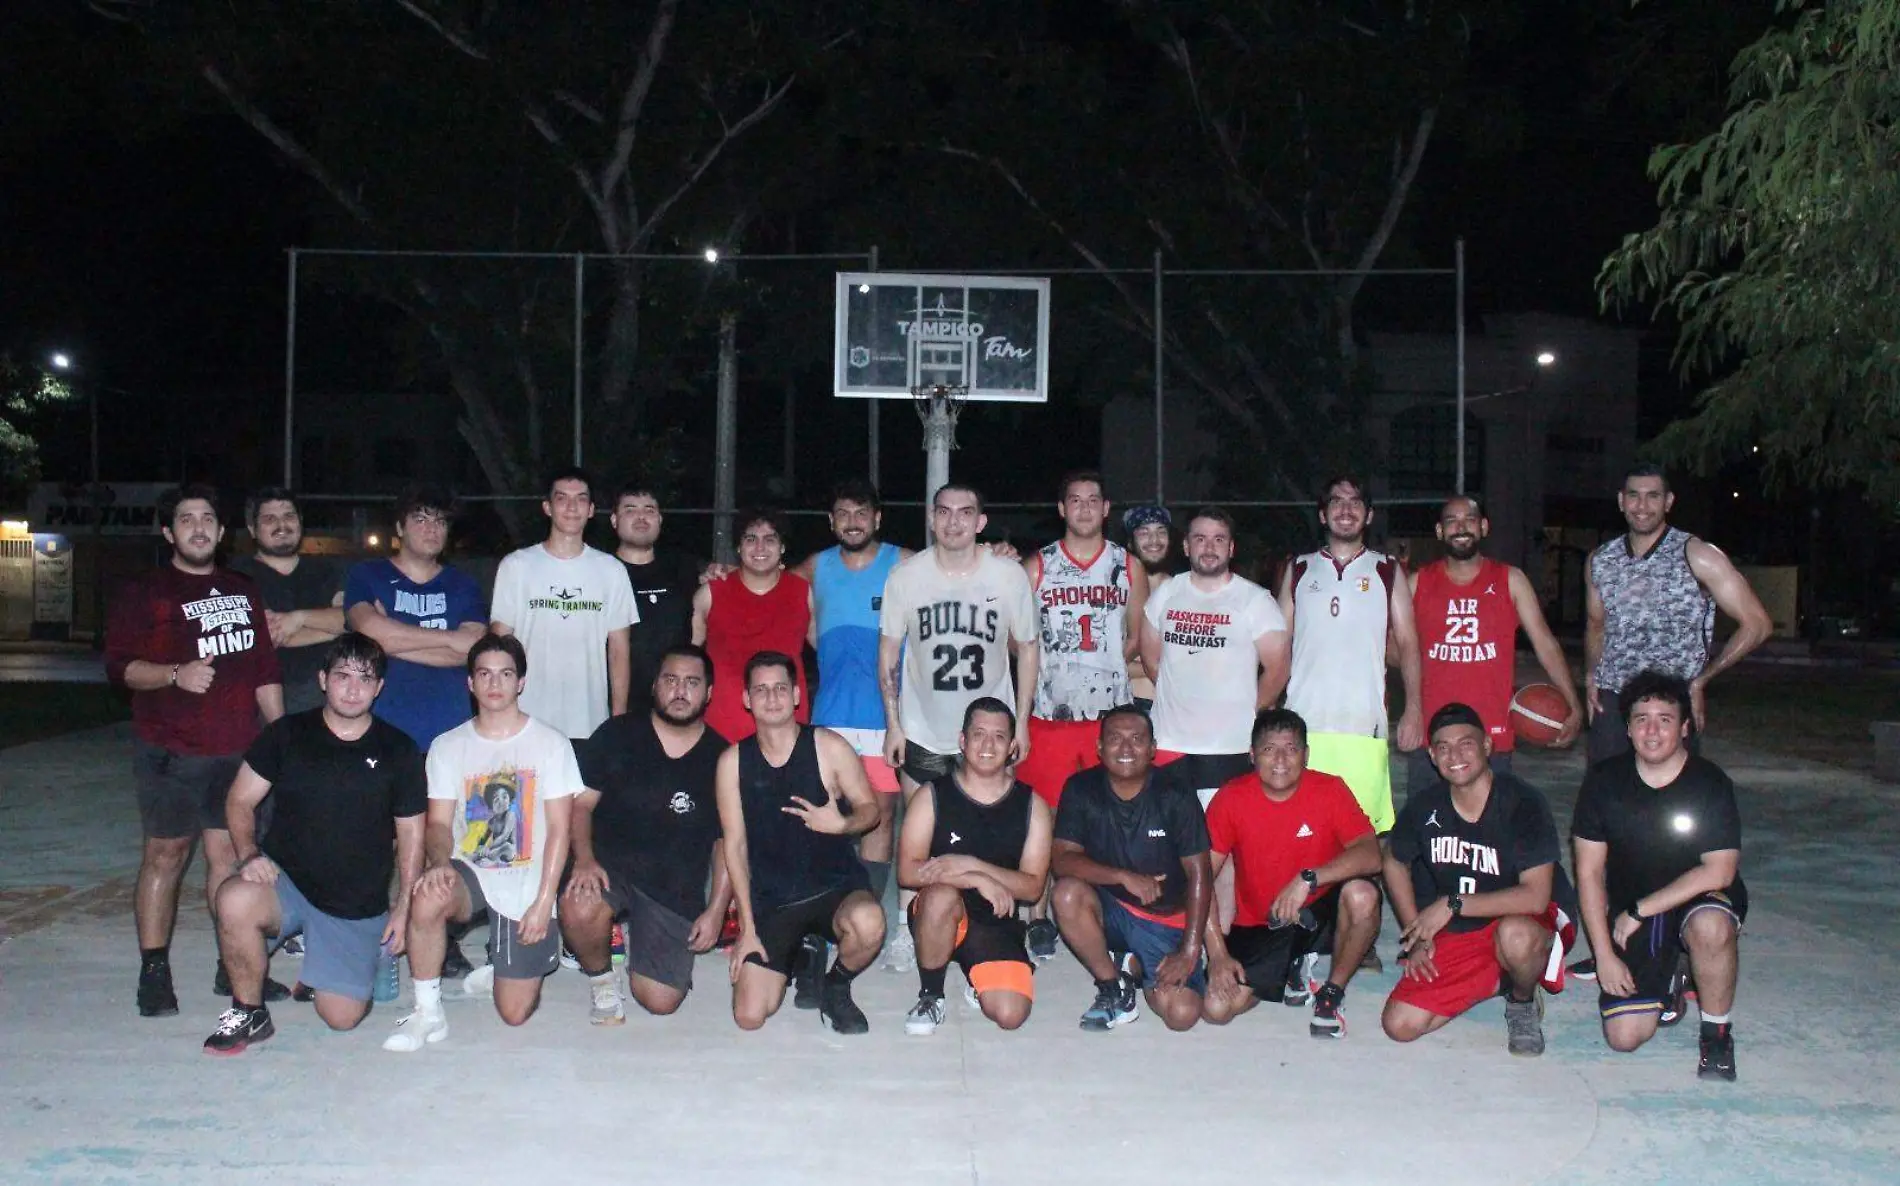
1715,1018
429,995
606,977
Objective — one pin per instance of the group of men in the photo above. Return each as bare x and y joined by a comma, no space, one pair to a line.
627,739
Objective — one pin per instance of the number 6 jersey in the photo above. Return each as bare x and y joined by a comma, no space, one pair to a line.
957,632
1340,616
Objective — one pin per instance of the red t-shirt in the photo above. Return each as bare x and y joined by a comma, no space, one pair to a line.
1467,645
1271,842
739,625
170,616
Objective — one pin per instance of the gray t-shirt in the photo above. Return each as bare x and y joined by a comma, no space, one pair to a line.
315,583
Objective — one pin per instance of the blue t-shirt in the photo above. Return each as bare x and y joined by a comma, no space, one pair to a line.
848,604
422,701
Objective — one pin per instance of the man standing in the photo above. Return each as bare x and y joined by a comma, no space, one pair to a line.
790,800
663,581
1472,866
1658,850
1303,854
1151,541
344,788
1133,884
501,797
644,831
302,595
976,842
190,642
1468,609
572,606
766,609
1653,594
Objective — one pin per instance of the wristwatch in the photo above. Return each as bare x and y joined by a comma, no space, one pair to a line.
1633,912
1457,904
1310,877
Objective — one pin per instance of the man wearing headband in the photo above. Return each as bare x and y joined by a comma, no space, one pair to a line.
1151,541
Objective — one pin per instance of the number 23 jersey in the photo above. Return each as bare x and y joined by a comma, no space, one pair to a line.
957,632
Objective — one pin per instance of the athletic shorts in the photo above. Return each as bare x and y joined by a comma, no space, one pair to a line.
783,928
656,937
1468,969
1204,774
1365,764
1652,952
993,953
1058,749
1268,955
924,766
1421,773
511,958
869,745
1148,939
339,954
181,795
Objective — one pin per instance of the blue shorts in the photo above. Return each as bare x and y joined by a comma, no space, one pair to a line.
340,954
1148,941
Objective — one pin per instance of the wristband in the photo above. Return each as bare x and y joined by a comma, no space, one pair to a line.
1633,912
174,675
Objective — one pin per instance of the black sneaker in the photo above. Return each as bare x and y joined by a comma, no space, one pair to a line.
156,998
1672,1008
1042,937
238,1028
273,991
302,992
1584,969
1718,1054
1327,1023
808,971
839,1013
455,965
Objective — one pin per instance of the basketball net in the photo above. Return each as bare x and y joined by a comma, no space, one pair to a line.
938,406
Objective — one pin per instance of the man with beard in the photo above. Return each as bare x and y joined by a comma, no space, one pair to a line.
1468,608
643,831
1150,540
663,580
189,641
302,595
766,609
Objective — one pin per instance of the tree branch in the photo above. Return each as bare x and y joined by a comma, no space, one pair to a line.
729,132
459,38
1394,204
287,144
633,99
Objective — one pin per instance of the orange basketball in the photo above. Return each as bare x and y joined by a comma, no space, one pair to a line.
1538,713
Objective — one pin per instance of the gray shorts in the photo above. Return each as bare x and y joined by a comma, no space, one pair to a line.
181,795
511,958
339,954
924,766
656,937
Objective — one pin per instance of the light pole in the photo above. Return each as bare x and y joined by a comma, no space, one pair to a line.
1544,359
63,363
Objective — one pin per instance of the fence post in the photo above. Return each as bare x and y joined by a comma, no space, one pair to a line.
580,274
290,371
1160,361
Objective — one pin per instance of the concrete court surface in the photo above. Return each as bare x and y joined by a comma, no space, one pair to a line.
91,1093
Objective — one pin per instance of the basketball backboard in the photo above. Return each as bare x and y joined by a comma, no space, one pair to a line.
898,331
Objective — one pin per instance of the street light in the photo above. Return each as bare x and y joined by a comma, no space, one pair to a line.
62,361
1545,360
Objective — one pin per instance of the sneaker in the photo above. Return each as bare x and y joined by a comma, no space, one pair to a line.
1672,1005
607,1008
1524,1022
424,1025
925,1016
1718,1055
838,1012
237,1029
1372,962
1584,969
808,971
1042,939
273,991
568,959
455,965
292,947
480,982
1113,1007
1299,981
900,954
970,997
728,930
302,992
1327,1022
156,998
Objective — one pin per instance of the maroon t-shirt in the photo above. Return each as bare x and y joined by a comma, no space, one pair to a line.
169,616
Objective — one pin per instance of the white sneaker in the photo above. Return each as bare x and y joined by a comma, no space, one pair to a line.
970,997
900,955
607,1007
480,982
925,1016
423,1025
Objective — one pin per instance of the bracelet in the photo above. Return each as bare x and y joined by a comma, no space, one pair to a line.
175,667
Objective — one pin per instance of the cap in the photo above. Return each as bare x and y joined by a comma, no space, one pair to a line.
1455,714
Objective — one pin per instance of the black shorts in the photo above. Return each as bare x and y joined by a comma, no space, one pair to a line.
656,937
1267,955
1652,952
993,952
924,766
783,928
181,795
1204,772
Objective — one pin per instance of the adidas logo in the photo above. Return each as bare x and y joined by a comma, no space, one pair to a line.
1303,833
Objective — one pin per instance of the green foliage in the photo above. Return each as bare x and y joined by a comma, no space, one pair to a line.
25,393
1776,250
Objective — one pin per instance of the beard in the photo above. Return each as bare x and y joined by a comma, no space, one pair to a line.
672,716
1462,550
279,551
845,545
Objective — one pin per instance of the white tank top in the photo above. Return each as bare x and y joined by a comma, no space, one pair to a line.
1340,616
1082,609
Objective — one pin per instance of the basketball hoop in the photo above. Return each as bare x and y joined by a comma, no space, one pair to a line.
938,406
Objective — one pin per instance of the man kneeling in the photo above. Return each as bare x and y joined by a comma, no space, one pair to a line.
975,843
1480,849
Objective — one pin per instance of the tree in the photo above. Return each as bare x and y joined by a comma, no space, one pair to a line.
26,393
1775,251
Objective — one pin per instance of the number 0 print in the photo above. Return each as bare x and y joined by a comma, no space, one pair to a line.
945,677
1467,885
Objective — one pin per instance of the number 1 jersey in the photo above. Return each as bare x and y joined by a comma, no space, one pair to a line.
957,632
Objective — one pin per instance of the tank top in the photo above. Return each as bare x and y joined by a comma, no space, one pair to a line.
993,833
742,623
848,605
788,861
1467,643
1656,615
1340,617
1082,608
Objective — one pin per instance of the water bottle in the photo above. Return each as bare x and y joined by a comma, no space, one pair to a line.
388,978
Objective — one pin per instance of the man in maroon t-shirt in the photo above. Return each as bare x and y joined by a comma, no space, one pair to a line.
1303,853
190,642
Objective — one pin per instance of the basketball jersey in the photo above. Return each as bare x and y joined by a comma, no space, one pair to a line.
957,631
994,833
788,861
1206,691
1467,642
739,625
1656,615
847,604
1340,616
1084,672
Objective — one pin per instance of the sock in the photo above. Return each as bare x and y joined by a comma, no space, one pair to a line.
839,974
880,874
605,973
237,1004
429,995
1114,985
155,956
1517,1000
1715,1019
931,979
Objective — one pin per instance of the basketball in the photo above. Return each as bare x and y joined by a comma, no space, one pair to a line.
1538,713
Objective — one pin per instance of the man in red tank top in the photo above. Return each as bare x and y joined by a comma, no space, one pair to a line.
1469,609
766,609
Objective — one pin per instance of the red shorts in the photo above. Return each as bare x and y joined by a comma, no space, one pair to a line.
1468,969
1058,749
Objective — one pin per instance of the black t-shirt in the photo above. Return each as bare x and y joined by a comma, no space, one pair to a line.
656,820
313,584
1149,834
334,806
1655,834
663,591
1449,854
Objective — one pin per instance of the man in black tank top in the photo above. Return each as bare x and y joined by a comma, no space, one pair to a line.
975,843
791,800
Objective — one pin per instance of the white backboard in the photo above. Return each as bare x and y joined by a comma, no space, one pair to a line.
896,331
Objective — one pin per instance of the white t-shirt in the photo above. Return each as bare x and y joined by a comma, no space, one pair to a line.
957,632
562,610
1210,667
501,789
1340,617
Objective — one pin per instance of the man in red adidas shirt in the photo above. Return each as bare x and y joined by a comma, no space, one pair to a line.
1468,609
1303,853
